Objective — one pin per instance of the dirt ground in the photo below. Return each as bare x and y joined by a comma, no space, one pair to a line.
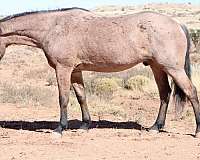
26,133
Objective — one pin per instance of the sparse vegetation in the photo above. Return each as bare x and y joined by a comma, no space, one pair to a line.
196,75
51,79
137,82
195,35
25,95
102,107
40,73
104,87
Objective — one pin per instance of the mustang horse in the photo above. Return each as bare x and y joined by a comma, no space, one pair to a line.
76,40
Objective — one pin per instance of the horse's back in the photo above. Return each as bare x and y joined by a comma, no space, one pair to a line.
121,42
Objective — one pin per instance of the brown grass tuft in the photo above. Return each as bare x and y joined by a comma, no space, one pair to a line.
137,82
26,94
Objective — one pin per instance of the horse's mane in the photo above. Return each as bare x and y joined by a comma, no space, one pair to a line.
41,11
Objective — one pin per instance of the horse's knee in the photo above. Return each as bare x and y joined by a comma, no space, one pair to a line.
63,100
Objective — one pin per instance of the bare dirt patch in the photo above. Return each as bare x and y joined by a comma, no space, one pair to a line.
26,133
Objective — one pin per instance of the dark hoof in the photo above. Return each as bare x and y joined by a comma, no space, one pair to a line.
58,130
155,129
85,125
56,135
153,132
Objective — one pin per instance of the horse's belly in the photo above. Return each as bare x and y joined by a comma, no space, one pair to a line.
106,67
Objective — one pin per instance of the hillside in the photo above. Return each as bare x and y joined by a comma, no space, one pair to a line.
185,13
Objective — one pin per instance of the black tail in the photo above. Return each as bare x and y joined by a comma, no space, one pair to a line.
179,96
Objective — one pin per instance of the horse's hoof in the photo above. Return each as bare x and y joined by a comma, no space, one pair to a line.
197,135
56,135
153,131
85,126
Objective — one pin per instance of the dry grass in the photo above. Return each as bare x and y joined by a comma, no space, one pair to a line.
196,76
98,106
102,107
26,94
45,73
137,82
103,87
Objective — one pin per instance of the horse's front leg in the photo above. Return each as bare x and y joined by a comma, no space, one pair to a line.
63,75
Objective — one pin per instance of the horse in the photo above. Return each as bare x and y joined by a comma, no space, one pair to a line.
76,40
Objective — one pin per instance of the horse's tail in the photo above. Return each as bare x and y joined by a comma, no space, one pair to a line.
178,95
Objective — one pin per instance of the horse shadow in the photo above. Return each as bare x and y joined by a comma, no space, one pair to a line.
73,124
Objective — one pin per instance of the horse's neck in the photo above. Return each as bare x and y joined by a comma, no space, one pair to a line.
19,40
27,26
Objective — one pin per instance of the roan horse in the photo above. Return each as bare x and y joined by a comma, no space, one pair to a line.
75,40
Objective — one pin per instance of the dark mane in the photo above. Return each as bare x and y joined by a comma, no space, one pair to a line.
41,11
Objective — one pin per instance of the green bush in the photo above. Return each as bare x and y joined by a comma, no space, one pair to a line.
195,36
118,80
137,82
104,86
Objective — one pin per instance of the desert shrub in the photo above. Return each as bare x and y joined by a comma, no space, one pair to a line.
104,87
195,36
119,81
12,93
137,82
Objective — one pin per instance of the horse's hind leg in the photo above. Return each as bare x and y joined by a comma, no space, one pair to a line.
164,92
182,80
78,85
